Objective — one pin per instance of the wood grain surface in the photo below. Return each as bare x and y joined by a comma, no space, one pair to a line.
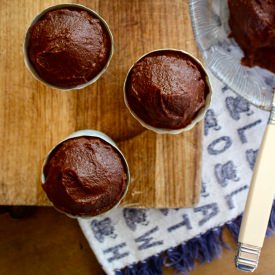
33,118
50,243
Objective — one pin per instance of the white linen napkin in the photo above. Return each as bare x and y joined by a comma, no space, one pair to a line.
134,238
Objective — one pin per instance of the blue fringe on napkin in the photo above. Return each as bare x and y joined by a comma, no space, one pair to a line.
203,248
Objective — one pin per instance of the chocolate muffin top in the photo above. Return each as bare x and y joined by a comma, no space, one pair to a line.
252,24
68,47
166,89
85,176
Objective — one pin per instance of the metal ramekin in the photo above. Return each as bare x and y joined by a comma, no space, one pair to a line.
104,137
195,120
26,43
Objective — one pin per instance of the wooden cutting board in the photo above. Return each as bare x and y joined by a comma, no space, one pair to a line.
165,169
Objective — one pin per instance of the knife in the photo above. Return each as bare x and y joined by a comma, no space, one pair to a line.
259,201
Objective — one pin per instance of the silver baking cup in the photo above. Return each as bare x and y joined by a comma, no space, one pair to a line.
196,119
102,136
26,44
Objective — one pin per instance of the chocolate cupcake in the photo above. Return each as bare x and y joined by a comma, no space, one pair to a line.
167,91
68,46
252,25
85,175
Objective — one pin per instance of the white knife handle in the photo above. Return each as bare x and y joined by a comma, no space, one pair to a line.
259,203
